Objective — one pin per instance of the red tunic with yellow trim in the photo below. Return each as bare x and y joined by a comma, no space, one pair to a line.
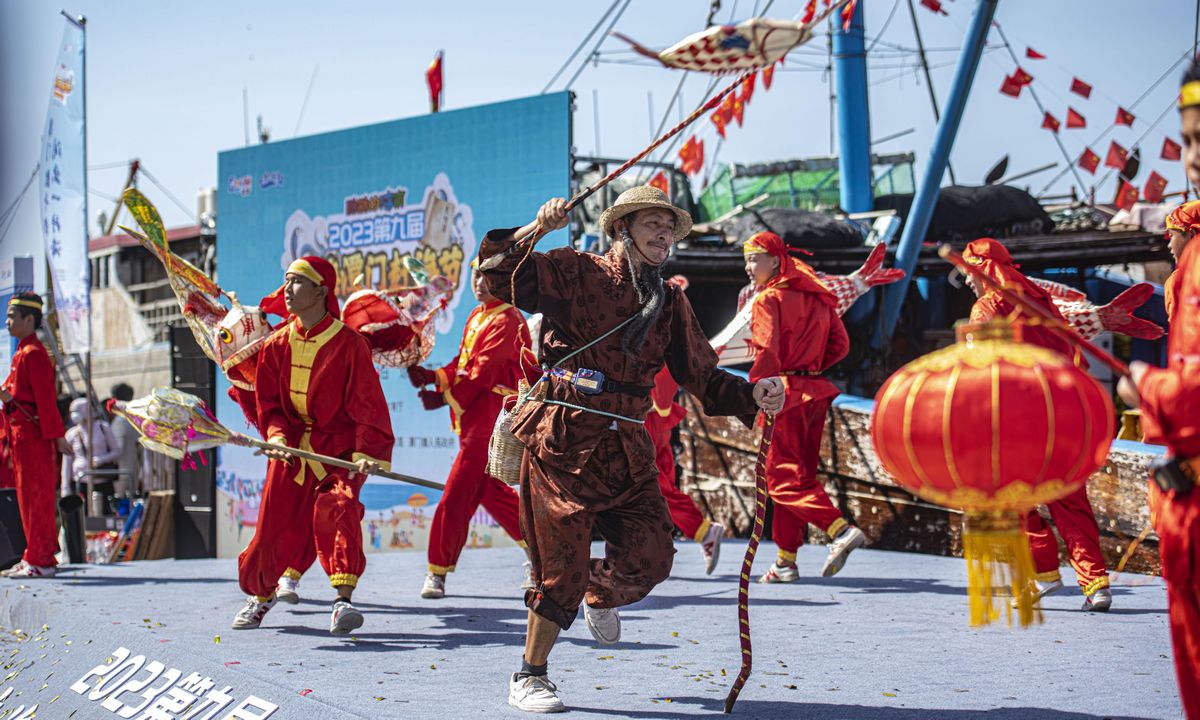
1170,400
33,426
486,369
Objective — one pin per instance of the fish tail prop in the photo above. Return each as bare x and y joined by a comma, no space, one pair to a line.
760,511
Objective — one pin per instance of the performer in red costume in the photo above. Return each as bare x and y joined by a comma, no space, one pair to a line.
317,390
1170,402
35,431
1072,515
474,384
664,415
796,333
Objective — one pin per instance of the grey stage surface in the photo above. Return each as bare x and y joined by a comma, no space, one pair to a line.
887,639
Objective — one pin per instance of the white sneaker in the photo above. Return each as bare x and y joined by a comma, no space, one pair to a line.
711,546
1099,601
345,618
434,587
251,615
1042,589
534,693
24,570
604,624
780,574
527,582
288,590
846,542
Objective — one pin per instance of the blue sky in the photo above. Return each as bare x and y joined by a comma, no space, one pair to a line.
165,81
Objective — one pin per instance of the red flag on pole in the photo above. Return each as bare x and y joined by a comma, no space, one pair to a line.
718,119
809,11
1049,122
1033,54
433,78
727,108
748,87
768,74
1171,149
739,108
660,181
1155,185
935,6
1021,76
1089,160
848,15
1117,156
1074,119
1124,117
1079,87
691,156
1011,86
1126,196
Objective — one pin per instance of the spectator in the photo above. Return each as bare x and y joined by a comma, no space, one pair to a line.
104,447
128,480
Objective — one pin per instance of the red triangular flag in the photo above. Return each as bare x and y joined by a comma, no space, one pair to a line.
660,181
727,108
1155,185
1171,149
935,6
1124,117
1117,156
1011,86
1049,122
748,87
1074,119
1126,196
739,107
1079,87
687,155
718,119
1089,160
809,11
1021,76
848,15
1033,54
768,74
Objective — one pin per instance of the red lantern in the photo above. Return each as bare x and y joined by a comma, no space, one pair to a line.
993,427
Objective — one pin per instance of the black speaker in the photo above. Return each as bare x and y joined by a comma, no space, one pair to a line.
195,484
12,535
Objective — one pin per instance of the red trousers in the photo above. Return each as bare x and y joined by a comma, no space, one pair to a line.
292,515
1076,522
792,482
35,469
467,487
683,510
1177,522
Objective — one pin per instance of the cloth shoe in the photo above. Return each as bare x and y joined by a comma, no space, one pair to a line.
534,693
846,542
1041,589
1099,601
288,590
527,581
251,615
25,570
604,624
434,587
345,617
711,546
780,574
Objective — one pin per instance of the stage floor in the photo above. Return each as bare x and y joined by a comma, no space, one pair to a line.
887,639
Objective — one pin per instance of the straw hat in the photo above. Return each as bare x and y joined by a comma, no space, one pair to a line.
642,197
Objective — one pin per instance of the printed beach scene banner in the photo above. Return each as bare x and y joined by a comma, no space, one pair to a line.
367,199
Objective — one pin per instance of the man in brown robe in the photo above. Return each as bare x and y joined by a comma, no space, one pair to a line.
589,462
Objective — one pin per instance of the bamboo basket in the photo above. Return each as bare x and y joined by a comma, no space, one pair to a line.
504,449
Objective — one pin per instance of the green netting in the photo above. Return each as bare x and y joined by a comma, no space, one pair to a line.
803,189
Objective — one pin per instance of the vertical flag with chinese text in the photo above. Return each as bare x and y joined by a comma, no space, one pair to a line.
62,182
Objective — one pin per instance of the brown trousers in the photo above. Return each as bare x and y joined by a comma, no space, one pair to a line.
559,511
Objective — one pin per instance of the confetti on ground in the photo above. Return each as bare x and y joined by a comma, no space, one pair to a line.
888,694
233,662
305,692
217,639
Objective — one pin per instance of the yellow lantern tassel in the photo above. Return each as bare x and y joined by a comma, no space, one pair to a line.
999,568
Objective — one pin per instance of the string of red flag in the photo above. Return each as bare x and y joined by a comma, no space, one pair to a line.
732,110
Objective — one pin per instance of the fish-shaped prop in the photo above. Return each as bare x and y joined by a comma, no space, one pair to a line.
751,44
399,323
1089,320
175,423
733,342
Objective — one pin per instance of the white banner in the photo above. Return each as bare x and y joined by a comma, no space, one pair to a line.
63,184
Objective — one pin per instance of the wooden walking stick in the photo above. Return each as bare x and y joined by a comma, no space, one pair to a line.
760,511
175,423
